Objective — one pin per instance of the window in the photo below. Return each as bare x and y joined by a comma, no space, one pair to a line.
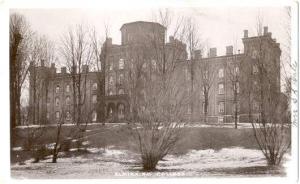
189,109
255,69
57,89
57,114
68,100
221,89
236,71
255,106
67,88
68,115
203,107
57,101
221,119
94,87
221,73
121,91
237,105
47,116
121,78
94,98
144,66
110,92
121,111
111,80
94,116
203,90
121,64
205,74
254,54
111,66
236,87
221,107
154,65
255,84
187,74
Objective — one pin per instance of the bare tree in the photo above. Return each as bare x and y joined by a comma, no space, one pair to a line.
193,46
157,107
206,78
233,74
157,98
77,51
272,127
100,56
19,39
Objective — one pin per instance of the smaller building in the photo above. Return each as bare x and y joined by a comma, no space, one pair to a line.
52,94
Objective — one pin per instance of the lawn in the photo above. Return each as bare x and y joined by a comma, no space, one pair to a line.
111,152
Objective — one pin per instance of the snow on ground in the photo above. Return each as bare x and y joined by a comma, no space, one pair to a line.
210,159
110,162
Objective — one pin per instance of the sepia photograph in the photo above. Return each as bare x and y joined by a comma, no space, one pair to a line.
152,92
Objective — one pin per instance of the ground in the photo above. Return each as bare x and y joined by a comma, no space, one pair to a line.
203,152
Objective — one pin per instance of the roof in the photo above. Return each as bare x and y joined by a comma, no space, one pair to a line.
141,22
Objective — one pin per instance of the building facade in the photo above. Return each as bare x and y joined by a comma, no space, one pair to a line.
144,44
51,95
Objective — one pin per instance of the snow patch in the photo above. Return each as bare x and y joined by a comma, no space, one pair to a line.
17,148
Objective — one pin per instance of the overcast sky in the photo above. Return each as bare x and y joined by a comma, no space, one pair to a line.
218,26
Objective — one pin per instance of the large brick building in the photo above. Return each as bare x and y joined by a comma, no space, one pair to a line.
142,41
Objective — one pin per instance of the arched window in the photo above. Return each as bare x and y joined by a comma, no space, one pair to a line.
121,92
121,110
94,116
68,115
221,73
121,64
67,88
110,92
111,66
68,100
121,78
57,89
57,114
154,65
94,86
236,71
111,80
221,107
94,99
221,88
56,101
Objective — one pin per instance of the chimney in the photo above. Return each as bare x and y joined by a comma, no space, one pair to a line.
245,33
212,52
197,54
229,50
171,39
265,30
53,69
270,34
85,68
42,62
109,41
63,70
